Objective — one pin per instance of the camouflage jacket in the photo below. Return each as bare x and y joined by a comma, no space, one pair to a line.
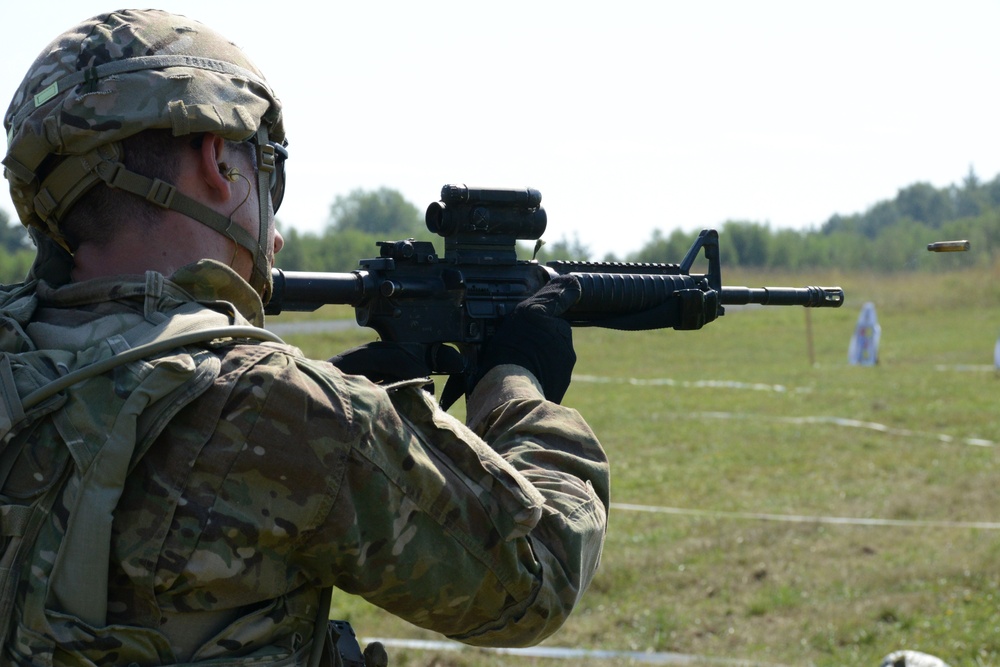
284,476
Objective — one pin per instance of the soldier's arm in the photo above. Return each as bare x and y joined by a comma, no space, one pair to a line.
491,541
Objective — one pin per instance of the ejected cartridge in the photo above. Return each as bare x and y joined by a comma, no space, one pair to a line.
948,246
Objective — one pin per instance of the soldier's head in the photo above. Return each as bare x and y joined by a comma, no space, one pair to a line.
107,109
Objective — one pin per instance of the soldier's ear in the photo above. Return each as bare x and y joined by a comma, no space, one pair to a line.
216,174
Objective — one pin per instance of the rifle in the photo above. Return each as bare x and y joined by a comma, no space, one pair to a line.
410,295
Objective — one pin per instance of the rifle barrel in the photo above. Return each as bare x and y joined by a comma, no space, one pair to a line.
308,290
810,297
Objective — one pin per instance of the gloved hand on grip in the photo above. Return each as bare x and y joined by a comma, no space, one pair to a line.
536,338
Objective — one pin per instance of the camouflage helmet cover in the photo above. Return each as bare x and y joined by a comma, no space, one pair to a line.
118,74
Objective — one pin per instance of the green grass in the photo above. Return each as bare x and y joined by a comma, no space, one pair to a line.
735,419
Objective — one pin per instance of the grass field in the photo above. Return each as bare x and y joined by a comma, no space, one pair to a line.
754,455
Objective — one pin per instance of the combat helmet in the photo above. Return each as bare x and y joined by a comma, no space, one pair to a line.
115,75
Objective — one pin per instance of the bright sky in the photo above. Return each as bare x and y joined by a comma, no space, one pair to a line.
628,116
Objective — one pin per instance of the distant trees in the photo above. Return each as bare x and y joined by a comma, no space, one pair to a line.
665,249
564,249
17,250
13,236
891,235
378,212
357,222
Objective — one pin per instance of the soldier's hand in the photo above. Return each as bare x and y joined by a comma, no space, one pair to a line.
535,337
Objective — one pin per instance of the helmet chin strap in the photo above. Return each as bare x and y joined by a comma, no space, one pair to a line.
261,279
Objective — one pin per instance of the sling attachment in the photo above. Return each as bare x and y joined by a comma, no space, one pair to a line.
336,645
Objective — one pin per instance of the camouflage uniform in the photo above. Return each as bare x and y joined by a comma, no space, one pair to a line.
285,476
215,490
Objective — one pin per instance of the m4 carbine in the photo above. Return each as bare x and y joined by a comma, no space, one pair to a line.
411,295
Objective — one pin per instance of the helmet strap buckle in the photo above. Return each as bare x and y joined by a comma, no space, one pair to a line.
161,193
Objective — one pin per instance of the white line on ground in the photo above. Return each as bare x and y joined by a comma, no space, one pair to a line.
689,384
777,388
846,422
567,653
797,518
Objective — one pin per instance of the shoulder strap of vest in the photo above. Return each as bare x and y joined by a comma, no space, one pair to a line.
19,525
141,352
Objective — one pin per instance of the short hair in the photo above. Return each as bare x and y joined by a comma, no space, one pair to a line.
102,213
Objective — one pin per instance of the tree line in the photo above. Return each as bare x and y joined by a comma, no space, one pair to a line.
890,236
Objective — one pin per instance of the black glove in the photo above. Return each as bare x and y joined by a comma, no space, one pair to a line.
385,362
536,338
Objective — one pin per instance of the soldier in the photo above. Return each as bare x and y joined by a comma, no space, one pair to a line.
201,489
